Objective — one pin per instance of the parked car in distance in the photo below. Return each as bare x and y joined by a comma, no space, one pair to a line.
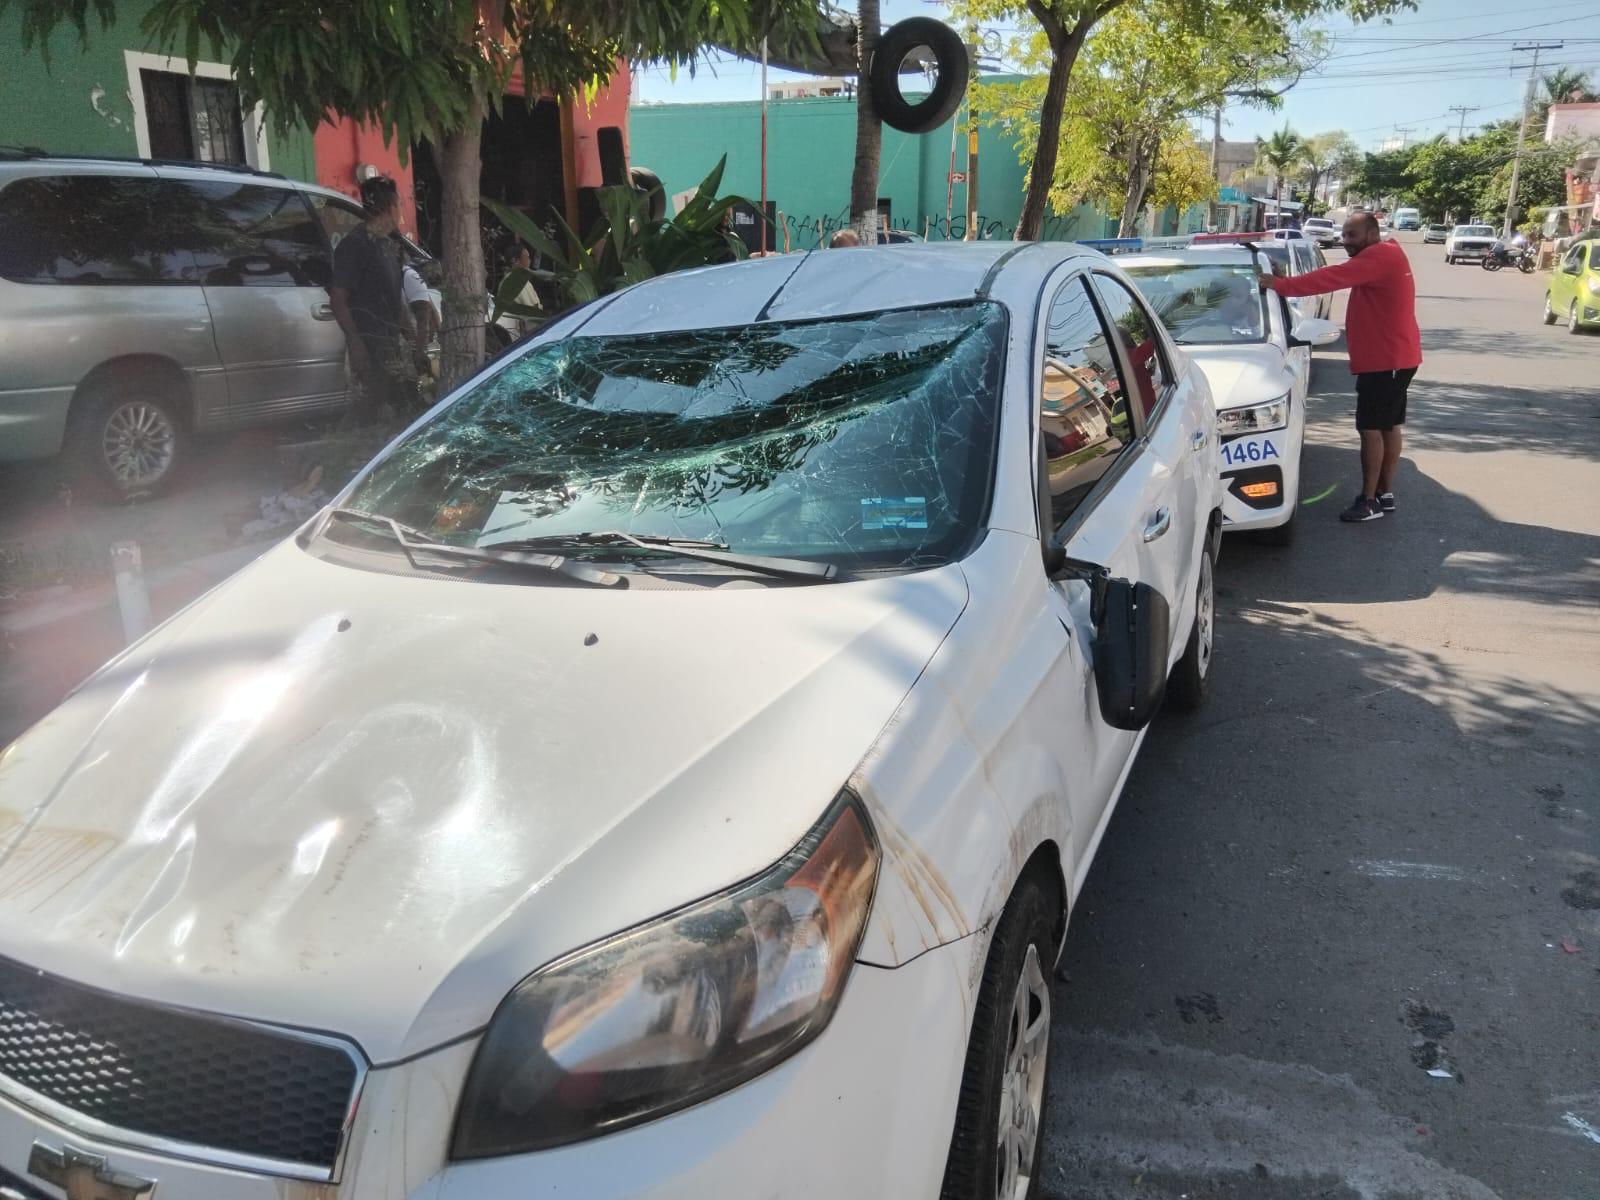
1321,230
1257,357
1469,242
1407,218
145,303
680,750
1573,294
1435,234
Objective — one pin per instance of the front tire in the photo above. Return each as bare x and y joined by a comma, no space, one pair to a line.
1279,535
994,1150
1450,260
1491,264
1190,681
128,435
1549,311
1572,318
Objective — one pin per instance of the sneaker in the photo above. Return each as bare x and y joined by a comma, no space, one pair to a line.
1362,509
1386,501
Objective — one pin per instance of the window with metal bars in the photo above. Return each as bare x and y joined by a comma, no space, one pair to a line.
193,118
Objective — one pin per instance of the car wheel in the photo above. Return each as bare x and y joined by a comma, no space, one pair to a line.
994,1150
127,433
1572,318
1191,678
1449,260
1549,311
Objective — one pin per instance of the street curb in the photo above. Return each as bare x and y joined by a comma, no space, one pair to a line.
48,605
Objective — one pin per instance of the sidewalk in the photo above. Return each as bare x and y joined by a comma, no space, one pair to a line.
53,639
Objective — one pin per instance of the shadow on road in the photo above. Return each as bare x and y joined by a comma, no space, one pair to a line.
1439,540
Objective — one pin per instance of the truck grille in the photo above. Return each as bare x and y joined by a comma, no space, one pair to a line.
166,1074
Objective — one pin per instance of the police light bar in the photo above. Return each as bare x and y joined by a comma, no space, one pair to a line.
1198,238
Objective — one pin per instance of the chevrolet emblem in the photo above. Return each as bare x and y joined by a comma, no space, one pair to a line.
85,1176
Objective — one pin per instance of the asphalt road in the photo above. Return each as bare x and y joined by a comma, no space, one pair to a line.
1369,854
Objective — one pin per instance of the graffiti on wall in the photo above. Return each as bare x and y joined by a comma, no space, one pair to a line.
807,232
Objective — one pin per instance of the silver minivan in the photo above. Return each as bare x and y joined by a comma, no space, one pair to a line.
142,303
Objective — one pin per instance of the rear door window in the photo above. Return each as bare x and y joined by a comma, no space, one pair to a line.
1135,329
247,235
93,229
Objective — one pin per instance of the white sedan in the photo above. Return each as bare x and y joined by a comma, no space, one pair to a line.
1257,356
1469,242
667,771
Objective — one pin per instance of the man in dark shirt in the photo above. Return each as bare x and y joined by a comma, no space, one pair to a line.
369,304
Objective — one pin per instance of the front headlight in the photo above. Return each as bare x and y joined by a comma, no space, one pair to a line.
1257,418
1594,285
672,1012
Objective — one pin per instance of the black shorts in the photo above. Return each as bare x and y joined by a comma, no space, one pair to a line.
1381,398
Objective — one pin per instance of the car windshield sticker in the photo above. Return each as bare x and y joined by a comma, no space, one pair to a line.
879,512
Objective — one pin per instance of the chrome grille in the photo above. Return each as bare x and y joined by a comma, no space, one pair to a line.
208,1082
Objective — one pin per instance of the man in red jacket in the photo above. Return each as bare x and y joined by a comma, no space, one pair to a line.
1385,349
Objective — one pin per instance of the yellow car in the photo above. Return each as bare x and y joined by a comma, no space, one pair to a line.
1574,291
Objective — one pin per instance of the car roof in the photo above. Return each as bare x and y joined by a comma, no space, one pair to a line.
814,284
1204,255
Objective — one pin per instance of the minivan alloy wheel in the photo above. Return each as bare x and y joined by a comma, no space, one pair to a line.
139,443
1022,1082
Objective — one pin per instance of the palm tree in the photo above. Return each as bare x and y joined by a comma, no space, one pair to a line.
1567,86
1279,155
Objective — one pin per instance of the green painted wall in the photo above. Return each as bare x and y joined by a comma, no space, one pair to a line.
79,103
810,153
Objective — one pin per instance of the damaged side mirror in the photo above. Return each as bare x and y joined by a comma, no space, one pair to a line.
1132,633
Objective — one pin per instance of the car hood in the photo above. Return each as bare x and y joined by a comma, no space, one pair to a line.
370,804
1240,375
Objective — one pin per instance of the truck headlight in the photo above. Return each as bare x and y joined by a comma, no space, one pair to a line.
1256,418
673,1012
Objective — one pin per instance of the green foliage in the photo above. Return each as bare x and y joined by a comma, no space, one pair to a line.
1280,156
1125,135
1381,176
416,67
1327,156
1541,182
623,247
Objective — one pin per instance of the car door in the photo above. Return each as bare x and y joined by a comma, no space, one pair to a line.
1564,280
1170,435
263,263
1094,488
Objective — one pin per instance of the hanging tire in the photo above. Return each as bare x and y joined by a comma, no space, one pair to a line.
995,1147
1190,681
940,104
128,435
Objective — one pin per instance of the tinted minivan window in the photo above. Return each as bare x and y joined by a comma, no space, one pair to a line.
247,235
93,229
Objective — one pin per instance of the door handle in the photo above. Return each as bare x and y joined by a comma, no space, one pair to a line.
323,311
1158,524
1198,441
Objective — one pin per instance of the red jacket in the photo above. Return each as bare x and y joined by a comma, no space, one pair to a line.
1381,321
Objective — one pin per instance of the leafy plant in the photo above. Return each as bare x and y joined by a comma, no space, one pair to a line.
623,247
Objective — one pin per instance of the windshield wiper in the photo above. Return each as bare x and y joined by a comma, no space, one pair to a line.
695,548
413,542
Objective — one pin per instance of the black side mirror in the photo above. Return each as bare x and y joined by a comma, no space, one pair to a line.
1132,634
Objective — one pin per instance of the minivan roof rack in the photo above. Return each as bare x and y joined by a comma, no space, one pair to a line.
34,153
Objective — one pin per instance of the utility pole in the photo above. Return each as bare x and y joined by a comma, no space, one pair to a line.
972,141
762,219
1522,129
1463,109
1405,132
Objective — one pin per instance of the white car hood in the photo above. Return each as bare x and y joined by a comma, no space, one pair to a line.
1243,374
370,804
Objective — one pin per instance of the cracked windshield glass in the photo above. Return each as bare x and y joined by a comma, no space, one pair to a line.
1205,304
866,442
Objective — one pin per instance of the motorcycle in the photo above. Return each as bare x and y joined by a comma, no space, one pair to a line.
1504,256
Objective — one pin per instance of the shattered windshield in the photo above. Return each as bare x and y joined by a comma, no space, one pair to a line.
865,441
1205,303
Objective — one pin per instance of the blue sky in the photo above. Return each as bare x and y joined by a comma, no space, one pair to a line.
1406,73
